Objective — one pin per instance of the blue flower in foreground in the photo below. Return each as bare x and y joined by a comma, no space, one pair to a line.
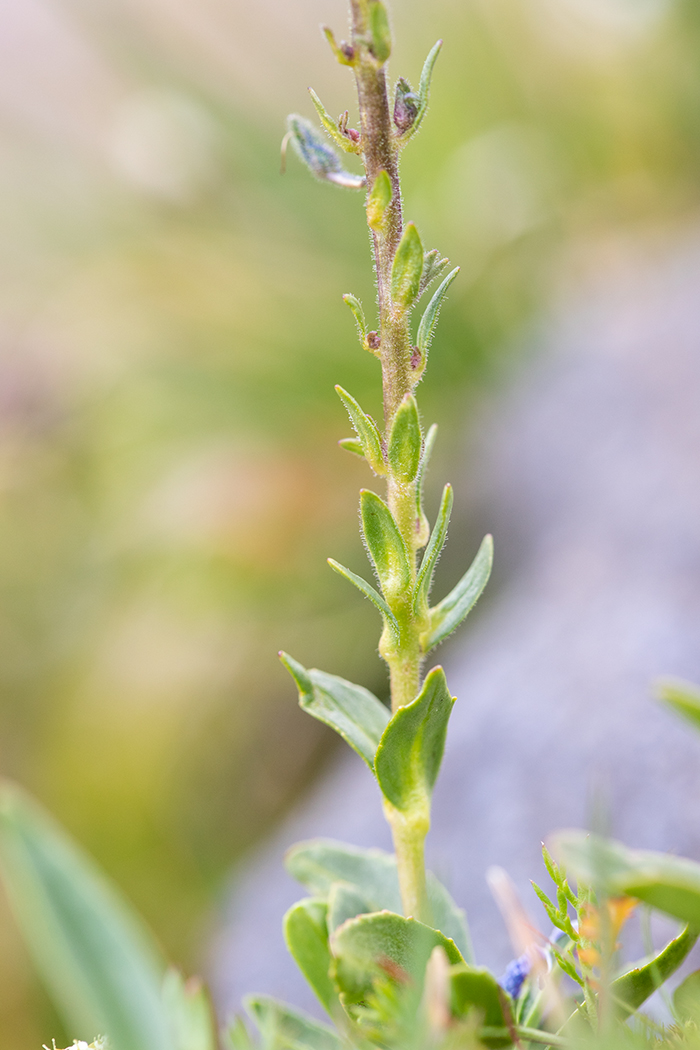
515,974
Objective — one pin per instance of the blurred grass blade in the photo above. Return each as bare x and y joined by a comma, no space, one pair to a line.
369,592
305,928
351,710
449,613
682,697
283,1028
99,963
189,1012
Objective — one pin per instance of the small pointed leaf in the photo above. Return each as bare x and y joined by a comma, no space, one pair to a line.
358,313
433,266
353,445
432,552
682,697
385,545
366,430
305,928
379,31
448,615
344,52
408,759
426,328
405,441
407,268
331,126
379,200
370,592
352,711
285,1028
423,91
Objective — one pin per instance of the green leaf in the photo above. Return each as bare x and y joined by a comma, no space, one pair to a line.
369,592
476,989
379,200
366,430
438,536
428,446
407,268
331,126
634,987
363,946
320,863
433,266
283,1028
358,313
237,1037
99,963
345,53
670,884
353,445
385,546
305,928
189,1012
405,441
351,710
429,320
423,91
448,615
408,758
345,901
379,31
684,698
319,157
686,998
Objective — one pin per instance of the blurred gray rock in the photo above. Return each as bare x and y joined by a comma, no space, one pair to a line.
595,507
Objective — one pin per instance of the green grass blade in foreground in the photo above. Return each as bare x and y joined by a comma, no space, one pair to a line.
99,963
306,935
670,884
190,1014
682,697
410,752
351,710
283,1028
369,592
450,612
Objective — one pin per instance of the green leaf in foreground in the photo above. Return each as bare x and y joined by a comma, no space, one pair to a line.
476,990
99,963
362,947
409,755
682,697
450,612
190,1014
283,1028
405,441
306,935
407,268
351,710
385,545
634,987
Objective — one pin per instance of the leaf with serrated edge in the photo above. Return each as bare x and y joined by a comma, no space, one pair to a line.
369,592
449,613
331,126
99,963
351,710
432,551
423,91
405,441
385,545
426,328
362,947
358,313
407,268
319,863
286,1028
366,430
305,928
683,698
408,758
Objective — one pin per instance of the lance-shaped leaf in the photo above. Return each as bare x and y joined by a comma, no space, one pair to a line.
351,710
353,445
438,536
344,52
474,990
345,901
423,92
433,266
634,987
682,697
284,1028
331,126
320,157
369,592
190,1014
305,928
405,441
358,313
429,320
379,200
407,268
366,430
671,884
98,962
408,758
385,545
450,612
320,863
379,30
424,525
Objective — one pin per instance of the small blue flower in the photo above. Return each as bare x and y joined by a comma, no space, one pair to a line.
515,974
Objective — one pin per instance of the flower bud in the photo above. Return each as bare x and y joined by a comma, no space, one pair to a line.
406,106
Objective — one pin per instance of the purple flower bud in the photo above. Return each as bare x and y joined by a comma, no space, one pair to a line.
406,103
515,974
373,340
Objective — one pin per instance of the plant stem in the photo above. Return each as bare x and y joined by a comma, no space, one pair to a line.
380,152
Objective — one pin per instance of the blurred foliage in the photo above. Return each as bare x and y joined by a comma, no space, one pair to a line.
171,326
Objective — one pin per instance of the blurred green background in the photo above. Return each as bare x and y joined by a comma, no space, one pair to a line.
171,327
